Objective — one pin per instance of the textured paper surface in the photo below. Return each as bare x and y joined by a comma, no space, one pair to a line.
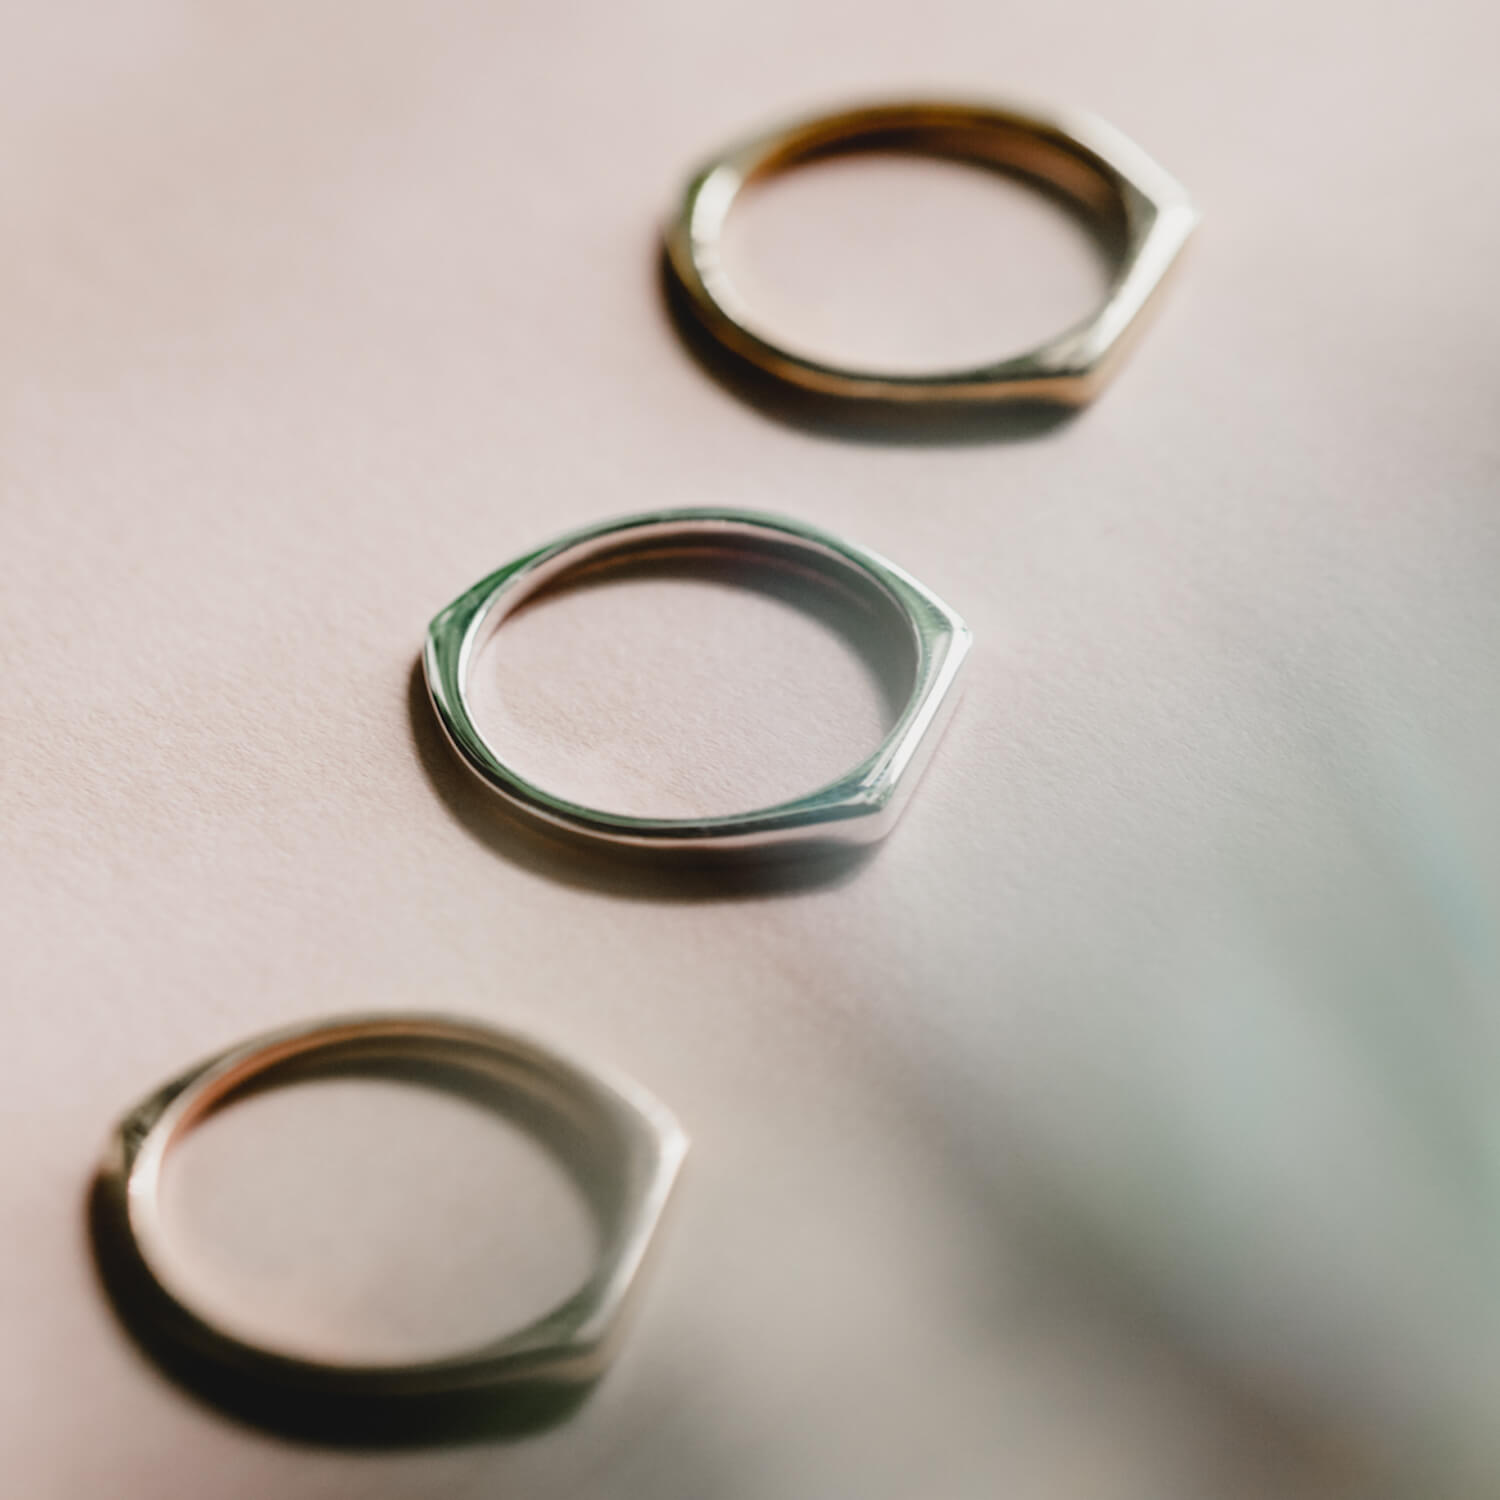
1125,1127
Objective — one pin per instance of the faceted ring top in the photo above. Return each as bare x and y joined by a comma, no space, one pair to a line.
858,808
1140,214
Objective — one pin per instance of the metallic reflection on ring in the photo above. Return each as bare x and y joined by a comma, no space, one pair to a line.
1140,213
857,809
622,1147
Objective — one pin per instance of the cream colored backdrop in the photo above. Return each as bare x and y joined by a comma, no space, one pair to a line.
1126,1128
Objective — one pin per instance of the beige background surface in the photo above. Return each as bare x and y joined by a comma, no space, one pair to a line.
1126,1127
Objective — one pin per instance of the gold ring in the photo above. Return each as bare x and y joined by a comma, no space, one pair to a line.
1139,212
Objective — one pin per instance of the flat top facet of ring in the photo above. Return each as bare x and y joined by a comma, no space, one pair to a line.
859,808
1143,215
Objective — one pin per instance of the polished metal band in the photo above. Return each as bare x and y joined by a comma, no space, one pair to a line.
858,808
1141,214
622,1147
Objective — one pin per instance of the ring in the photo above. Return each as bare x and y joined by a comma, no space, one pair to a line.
1139,212
859,808
622,1146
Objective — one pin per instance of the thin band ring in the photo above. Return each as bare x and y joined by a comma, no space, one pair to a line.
858,808
1141,214
621,1145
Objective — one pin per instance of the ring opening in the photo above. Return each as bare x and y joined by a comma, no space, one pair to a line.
379,1200
909,262
692,675
1047,159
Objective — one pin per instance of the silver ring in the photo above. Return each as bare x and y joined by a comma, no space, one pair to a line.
622,1146
858,808
1140,212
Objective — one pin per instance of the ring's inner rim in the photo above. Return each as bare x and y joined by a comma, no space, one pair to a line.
675,541
1042,157
572,1124
573,1119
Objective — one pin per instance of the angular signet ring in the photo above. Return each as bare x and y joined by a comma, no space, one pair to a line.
622,1147
859,808
1141,215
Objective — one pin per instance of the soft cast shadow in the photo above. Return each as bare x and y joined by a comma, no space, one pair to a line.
861,420
299,1414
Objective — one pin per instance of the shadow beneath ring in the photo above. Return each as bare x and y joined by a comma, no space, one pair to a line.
294,1412
863,420
636,874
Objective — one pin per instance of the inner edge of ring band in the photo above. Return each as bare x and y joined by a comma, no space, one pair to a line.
1120,191
216,1084
1032,150
722,534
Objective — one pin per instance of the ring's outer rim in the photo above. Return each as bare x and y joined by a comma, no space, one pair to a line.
569,1345
1155,211
858,808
